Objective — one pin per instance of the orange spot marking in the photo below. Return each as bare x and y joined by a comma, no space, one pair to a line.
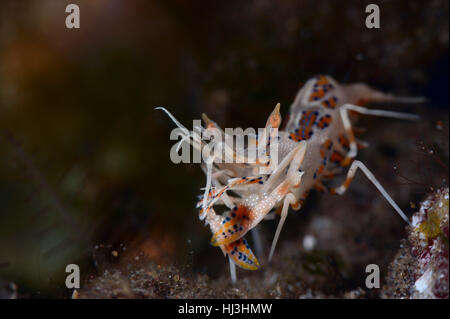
275,120
346,162
329,176
241,254
238,224
295,205
329,103
283,189
363,102
347,182
324,121
322,80
306,124
337,157
326,145
320,170
322,153
344,141
320,93
278,211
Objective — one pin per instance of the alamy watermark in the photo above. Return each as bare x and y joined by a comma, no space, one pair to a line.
73,279
232,145
373,19
373,279
73,17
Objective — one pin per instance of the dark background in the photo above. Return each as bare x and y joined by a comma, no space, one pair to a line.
84,158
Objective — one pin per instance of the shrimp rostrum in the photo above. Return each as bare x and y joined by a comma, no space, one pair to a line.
275,169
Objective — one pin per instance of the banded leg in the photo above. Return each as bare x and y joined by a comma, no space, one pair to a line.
348,126
351,173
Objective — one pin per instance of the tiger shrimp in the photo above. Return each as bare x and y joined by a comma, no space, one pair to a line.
316,146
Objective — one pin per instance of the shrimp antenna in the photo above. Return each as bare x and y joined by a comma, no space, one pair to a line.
177,123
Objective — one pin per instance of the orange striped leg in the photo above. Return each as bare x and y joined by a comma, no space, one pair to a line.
351,173
362,110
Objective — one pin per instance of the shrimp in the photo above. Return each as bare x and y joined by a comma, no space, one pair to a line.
316,146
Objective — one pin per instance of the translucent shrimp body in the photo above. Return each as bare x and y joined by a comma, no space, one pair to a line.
316,146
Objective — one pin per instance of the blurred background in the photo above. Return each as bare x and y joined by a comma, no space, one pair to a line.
85,173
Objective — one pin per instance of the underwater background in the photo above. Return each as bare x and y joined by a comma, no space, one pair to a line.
85,172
